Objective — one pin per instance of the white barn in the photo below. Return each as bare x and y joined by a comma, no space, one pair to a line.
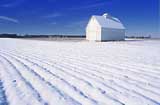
105,28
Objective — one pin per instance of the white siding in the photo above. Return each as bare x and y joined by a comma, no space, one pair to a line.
112,34
93,30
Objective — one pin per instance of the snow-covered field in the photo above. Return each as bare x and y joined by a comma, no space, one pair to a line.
79,73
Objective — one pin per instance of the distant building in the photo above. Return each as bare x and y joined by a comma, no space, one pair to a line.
105,28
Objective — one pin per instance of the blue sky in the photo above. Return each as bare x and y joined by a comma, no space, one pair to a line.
71,16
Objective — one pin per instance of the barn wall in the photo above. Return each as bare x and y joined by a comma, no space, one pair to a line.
112,34
93,30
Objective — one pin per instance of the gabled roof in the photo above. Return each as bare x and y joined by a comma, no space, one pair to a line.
107,21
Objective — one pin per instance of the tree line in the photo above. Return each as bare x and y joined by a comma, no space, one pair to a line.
39,36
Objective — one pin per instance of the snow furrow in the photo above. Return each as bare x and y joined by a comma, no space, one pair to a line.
135,84
22,84
150,92
79,73
10,87
52,94
122,75
135,87
50,75
3,99
103,91
113,68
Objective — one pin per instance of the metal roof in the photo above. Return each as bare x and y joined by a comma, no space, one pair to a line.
107,21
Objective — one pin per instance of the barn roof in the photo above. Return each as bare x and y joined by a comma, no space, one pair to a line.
107,21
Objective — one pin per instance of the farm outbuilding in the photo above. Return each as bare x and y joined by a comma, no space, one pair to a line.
105,28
